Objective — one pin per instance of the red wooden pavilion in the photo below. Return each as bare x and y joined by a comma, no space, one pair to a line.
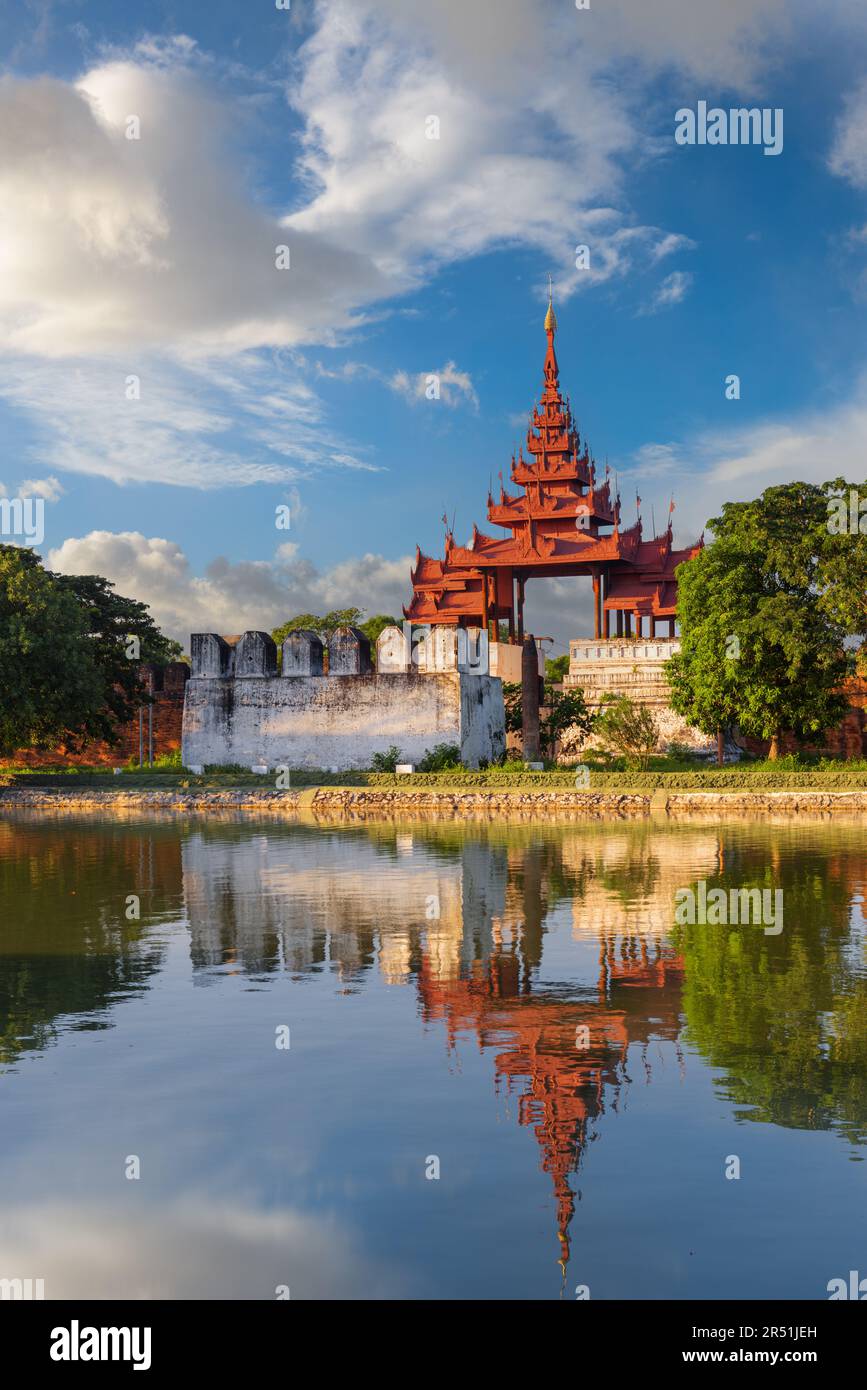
562,524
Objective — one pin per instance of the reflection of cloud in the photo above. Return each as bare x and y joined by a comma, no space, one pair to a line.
188,1249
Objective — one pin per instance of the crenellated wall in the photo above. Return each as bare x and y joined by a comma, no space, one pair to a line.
238,710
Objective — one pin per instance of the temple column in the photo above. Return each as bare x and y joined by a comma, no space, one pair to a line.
597,632
620,622
671,627
511,609
627,623
485,617
521,609
606,614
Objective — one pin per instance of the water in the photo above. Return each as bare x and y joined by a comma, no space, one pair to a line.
512,1005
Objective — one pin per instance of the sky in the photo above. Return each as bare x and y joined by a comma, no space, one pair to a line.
165,388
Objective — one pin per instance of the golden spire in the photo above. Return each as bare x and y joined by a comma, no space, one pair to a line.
550,317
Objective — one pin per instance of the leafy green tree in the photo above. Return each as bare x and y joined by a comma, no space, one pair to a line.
71,651
122,635
764,612
372,627
557,668
566,709
50,679
628,729
312,622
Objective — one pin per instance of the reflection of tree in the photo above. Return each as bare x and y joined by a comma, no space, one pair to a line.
66,947
784,1016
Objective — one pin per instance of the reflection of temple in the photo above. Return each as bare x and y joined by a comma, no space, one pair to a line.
567,1056
467,917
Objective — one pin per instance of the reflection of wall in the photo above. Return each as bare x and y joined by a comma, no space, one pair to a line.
266,902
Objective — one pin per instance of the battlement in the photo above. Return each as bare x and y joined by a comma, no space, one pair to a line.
419,650
329,707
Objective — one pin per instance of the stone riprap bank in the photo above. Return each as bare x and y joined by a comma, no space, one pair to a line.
238,710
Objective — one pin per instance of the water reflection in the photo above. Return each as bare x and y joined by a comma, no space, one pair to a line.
550,949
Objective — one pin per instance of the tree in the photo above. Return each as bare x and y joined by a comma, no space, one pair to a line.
338,617
372,627
566,710
122,635
628,729
50,681
557,668
764,613
68,667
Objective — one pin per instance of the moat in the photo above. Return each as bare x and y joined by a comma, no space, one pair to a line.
428,1060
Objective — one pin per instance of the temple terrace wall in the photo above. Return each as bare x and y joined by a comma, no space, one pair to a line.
238,710
633,667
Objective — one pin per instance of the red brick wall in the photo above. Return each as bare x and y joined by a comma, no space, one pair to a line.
848,740
167,686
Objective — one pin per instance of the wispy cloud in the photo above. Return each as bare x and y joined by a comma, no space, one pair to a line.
672,290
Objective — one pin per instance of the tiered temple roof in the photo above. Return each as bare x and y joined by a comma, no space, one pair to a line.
563,521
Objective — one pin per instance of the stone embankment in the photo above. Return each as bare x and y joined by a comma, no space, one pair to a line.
455,803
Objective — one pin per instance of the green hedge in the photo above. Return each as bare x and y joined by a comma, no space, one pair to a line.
756,777
717,779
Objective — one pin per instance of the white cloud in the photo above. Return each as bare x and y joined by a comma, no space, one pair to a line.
47,488
454,385
848,157
231,596
674,241
202,423
737,464
671,291
109,242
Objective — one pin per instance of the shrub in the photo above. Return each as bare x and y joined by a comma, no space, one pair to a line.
386,762
440,757
629,729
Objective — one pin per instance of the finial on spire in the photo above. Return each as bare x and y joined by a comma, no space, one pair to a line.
550,317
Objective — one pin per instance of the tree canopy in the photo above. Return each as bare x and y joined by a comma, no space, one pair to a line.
764,613
338,617
67,669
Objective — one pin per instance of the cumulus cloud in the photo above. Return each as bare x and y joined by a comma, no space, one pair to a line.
231,596
49,489
151,241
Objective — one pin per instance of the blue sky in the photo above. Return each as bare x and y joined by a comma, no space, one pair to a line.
155,258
